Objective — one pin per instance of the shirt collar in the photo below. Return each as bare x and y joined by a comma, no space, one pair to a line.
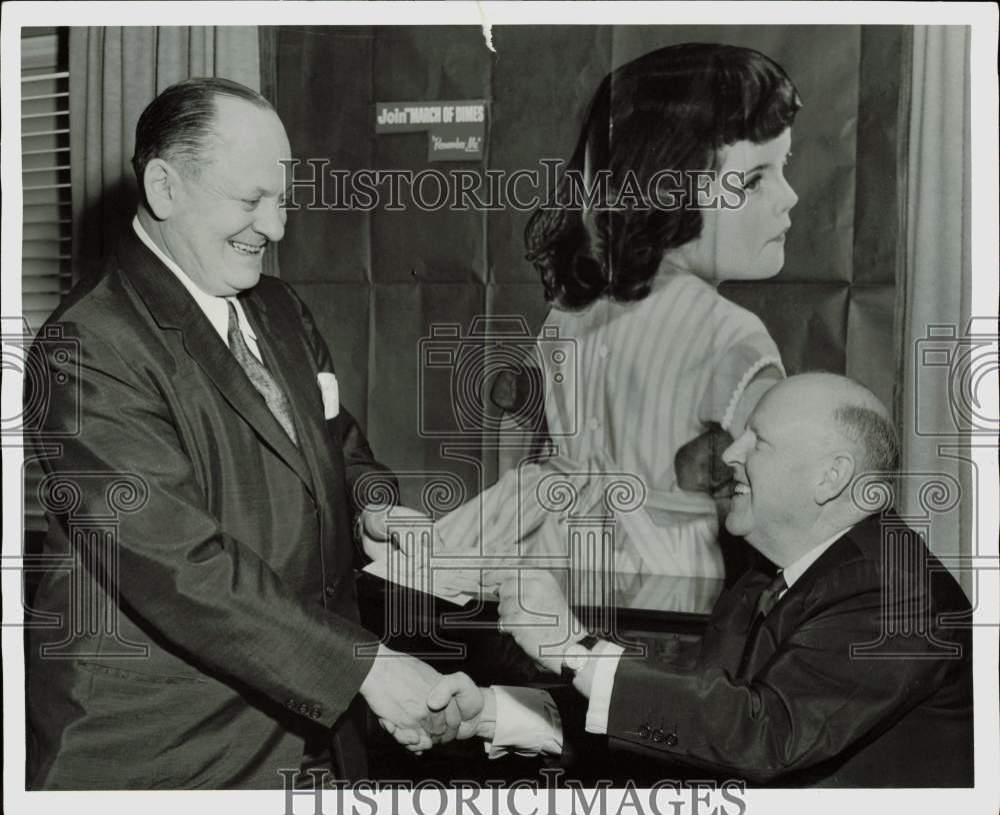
794,571
214,308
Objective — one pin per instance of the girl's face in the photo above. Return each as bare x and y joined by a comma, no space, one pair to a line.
746,242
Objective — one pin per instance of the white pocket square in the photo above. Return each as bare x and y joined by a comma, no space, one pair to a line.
330,391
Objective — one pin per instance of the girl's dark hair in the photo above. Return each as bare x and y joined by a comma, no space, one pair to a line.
672,109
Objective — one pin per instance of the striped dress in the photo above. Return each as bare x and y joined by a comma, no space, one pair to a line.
627,385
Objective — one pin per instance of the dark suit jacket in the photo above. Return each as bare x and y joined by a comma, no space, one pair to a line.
860,676
210,623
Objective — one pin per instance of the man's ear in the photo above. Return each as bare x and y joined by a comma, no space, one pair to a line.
835,477
160,183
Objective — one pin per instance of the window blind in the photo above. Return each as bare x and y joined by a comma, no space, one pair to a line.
45,178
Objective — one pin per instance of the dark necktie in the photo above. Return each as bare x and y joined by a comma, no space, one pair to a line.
259,376
765,603
769,597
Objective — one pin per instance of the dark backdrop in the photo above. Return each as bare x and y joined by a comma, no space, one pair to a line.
377,281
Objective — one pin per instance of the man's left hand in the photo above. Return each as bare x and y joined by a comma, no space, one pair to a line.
534,611
381,528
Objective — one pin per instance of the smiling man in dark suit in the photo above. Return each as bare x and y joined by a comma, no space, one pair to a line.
225,648
848,665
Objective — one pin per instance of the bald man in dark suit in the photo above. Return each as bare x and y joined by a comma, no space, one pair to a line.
843,659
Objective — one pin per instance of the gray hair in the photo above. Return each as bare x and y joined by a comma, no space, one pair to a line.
873,433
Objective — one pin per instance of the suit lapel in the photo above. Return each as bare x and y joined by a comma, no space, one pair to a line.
225,372
725,636
173,308
787,615
289,361
748,600
743,622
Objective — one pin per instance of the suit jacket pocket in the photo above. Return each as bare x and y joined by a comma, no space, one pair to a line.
140,679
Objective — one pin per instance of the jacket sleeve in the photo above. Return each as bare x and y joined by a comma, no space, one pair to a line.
810,702
202,591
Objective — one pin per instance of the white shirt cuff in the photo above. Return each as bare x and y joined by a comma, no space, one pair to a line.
606,665
527,723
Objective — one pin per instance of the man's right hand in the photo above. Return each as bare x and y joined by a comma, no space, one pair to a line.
476,706
396,689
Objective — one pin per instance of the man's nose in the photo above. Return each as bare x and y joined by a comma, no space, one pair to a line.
270,222
735,453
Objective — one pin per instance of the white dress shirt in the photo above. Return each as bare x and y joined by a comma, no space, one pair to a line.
527,723
215,308
795,570
519,724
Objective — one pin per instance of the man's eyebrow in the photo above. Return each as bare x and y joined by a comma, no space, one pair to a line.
259,192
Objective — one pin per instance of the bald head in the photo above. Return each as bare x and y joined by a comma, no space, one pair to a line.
807,442
838,405
832,390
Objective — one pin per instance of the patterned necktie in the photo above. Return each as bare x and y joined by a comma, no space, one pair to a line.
259,376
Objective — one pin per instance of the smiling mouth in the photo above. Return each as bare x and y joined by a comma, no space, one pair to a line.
740,488
723,491
248,249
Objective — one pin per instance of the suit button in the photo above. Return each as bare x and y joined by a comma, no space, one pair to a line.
659,736
672,739
329,591
644,731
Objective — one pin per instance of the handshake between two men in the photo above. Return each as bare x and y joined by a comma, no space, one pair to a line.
421,708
